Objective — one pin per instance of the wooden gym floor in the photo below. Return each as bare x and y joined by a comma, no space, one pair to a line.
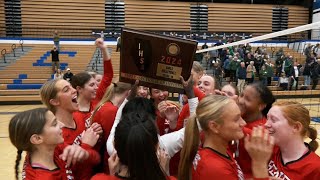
8,151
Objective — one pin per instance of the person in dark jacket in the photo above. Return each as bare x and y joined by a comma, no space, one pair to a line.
314,71
242,75
294,75
68,75
55,59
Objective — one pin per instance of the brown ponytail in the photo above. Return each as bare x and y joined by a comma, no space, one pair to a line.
16,167
112,90
209,109
189,150
312,134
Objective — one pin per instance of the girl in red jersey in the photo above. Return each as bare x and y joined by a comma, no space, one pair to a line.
254,103
88,93
137,146
220,126
289,123
105,113
38,132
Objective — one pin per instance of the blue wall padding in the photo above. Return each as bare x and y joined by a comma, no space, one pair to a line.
17,81
22,76
24,86
40,61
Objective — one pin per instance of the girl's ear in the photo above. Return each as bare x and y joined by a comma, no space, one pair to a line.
297,127
262,106
214,127
54,102
36,139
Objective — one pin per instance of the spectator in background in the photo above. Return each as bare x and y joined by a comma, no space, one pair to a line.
205,46
219,43
198,56
263,75
307,51
241,74
306,74
269,67
68,75
233,68
56,39
118,43
294,76
58,74
279,53
248,58
283,82
316,50
314,71
55,59
279,63
251,70
287,64
217,71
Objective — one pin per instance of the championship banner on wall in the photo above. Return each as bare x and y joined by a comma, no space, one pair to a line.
157,61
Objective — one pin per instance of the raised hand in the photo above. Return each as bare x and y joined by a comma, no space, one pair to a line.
100,43
188,86
133,90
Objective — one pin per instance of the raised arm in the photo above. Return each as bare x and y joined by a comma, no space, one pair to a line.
107,69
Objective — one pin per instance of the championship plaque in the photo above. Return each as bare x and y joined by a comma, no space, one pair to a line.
157,61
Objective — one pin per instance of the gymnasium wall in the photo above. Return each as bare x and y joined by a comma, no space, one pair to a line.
71,18
2,20
77,19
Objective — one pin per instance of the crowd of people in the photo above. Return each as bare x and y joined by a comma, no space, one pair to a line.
243,64
93,128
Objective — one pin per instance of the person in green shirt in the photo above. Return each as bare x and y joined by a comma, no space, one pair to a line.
263,75
56,39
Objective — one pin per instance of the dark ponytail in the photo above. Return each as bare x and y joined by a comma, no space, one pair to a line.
312,134
266,96
16,167
136,140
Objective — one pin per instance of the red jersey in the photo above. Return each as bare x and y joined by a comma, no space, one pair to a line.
306,167
116,177
185,112
244,158
35,173
209,164
105,82
105,116
73,136
162,125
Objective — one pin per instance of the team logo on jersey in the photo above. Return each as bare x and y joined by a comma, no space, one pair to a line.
142,52
240,173
196,160
274,171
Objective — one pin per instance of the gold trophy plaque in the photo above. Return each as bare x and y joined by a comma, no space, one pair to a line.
157,61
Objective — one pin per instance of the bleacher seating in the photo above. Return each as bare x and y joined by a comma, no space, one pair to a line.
225,17
26,76
2,20
158,16
72,21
